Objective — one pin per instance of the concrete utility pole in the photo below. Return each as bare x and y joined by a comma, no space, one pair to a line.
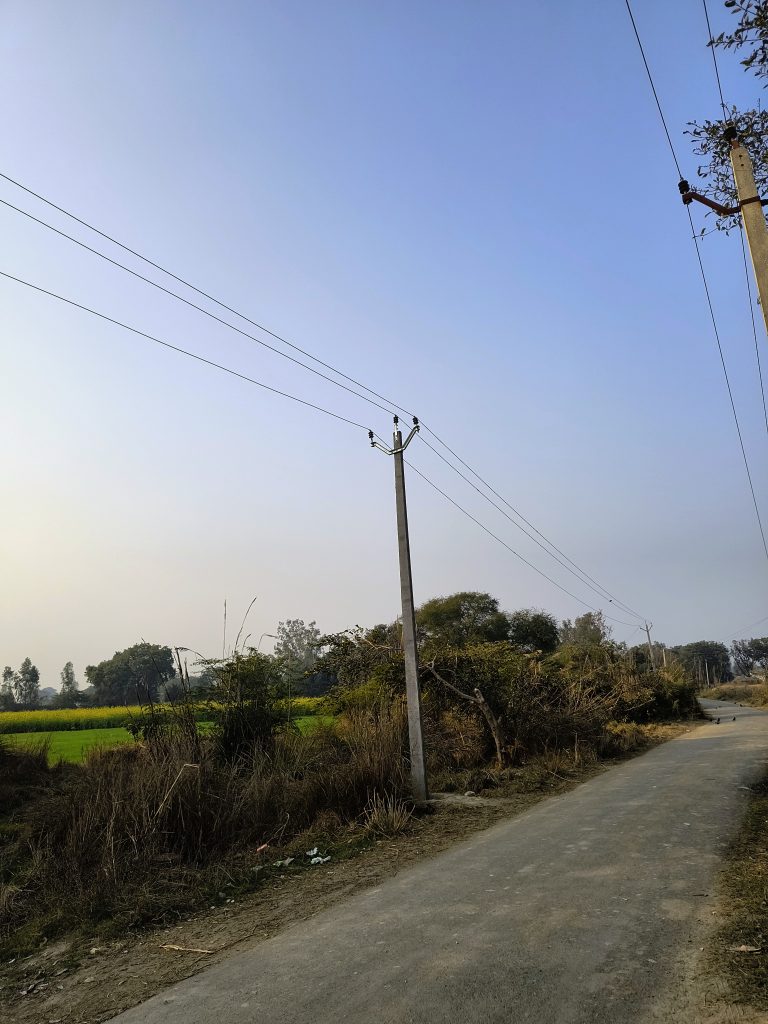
410,653
650,645
753,217
706,671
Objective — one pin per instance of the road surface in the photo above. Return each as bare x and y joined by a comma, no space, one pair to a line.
583,910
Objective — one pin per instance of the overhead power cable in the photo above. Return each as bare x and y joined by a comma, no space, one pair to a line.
704,281
271,348
743,630
509,548
728,386
200,291
200,309
577,573
714,61
653,89
181,351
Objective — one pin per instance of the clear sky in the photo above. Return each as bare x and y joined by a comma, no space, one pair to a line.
468,206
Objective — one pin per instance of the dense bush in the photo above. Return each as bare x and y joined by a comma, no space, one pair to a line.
141,830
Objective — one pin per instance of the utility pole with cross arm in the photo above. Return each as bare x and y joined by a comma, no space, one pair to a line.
410,653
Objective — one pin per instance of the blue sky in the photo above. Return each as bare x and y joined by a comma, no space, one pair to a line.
468,206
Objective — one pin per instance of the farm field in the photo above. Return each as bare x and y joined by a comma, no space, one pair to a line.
74,743
71,745
48,720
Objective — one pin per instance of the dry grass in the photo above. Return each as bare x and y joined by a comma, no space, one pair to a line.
739,692
744,882
386,816
142,833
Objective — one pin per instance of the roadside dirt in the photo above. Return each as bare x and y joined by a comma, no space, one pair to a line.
88,982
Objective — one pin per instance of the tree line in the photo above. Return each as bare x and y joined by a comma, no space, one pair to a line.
305,660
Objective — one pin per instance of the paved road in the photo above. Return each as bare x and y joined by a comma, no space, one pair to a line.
579,911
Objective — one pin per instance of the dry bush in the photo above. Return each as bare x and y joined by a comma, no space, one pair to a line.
455,739
139,832
386,816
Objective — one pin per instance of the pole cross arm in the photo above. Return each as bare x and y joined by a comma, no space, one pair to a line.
403,445
688,196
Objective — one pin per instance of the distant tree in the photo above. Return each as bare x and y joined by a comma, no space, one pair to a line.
26,684
706,657
7,699
67,698
586,630
534,630
135,674
461,619
297,652
759,648
743,659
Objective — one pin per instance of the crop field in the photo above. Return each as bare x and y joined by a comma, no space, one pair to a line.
74,743
112,718
70,745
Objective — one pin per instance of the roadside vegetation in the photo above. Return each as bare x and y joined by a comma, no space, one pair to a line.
210,790
751,692
740,945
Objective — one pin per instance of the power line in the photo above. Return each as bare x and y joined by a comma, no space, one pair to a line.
714,61
181,351
728,385
754,326
194,288
653,89
508,547
194,305
743,629
601,590
704,280
577,573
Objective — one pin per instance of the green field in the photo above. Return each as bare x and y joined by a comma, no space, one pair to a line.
69,746
73,745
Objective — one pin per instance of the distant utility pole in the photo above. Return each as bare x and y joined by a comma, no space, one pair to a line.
706,672
410,653
751,209
650,645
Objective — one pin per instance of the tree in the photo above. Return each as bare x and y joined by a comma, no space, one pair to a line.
25,683
751,32
461,619
748,653
712,138
706,656
743,659
135,674
534,630
69,692
298,650
7,699
586,630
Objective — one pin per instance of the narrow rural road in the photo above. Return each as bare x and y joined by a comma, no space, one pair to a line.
585,909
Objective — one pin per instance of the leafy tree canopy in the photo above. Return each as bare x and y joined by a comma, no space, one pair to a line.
748,653
586,630
710,653
134,674
534,630
461,619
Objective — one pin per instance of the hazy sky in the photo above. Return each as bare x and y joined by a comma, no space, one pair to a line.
467,205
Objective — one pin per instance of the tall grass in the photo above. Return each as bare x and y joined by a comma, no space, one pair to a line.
143,831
